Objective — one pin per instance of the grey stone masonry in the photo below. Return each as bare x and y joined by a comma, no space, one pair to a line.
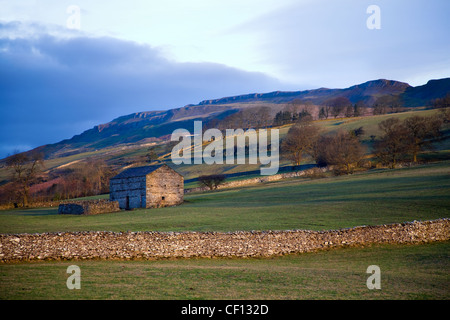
155,245
147,187
88,207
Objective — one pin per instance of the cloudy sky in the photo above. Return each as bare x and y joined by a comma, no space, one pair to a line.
66,66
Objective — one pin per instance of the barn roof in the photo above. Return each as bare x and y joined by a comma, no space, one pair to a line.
137,171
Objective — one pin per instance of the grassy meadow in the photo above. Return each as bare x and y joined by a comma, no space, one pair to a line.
407,272
374,197
368,198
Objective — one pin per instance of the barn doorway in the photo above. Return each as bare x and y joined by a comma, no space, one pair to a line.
127,203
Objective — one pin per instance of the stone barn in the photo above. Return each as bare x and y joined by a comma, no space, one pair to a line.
147,187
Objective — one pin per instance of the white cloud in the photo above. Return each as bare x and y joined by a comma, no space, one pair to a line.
53,86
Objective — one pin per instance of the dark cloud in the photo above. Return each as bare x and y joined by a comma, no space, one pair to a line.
52,88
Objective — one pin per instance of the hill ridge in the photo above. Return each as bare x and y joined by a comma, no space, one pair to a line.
153,126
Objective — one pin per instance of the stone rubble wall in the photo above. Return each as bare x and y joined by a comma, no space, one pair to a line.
34,204
42,204
154,245
262,179
89,207
164,183
133,187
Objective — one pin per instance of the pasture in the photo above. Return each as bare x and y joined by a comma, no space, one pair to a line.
407,272
368,198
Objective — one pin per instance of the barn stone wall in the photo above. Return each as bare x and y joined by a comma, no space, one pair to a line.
165,187
160,188
88,207
132,187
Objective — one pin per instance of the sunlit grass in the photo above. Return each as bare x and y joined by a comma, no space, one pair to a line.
369,198
407,272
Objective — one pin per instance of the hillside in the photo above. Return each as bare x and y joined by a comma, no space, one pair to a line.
155,126
366,92
421,95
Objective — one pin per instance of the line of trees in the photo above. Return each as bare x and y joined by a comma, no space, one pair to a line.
399,141
404,140
342,149
81,180
262,116
341,106
295,111
443,102
388,104
29,183
256,117
299,110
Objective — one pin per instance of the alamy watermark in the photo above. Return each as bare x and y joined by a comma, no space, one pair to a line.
190,147
74,20
374,20
74,280
374,281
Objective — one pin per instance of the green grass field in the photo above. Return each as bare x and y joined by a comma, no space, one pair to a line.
407,272
373,197
369,198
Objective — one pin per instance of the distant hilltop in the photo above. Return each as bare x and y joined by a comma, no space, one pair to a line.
364,91
154,126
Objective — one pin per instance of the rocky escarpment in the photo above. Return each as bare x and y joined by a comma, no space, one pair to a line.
154,245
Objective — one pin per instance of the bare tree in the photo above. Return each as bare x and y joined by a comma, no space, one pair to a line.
387,103
25,168
342,150
338,105
381,105
264,116
322,113
349,111
443,102
411,136
359,109
151,156
392,146
300,140
325,110
444,114
389,125
293,106
282,118
211,181
422,132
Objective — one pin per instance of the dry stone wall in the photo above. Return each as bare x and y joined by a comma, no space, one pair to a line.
262,179
89,207
34,204
154,245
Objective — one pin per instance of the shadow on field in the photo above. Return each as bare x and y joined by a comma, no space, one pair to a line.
32,212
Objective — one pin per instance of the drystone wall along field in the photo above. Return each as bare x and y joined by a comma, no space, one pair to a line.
154,245
263,179
89,207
